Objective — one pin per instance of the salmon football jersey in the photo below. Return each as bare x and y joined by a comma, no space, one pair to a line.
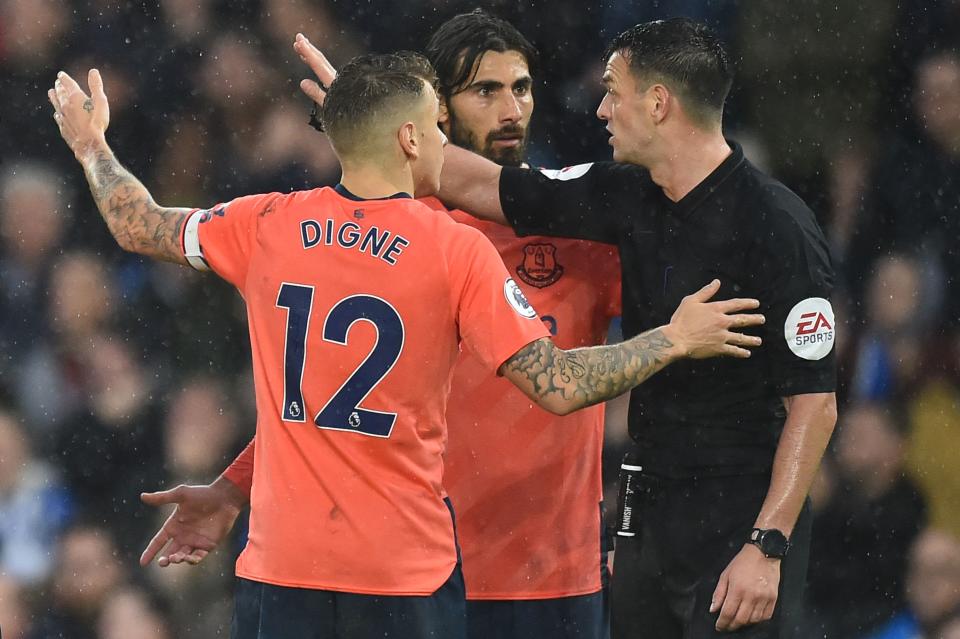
356,310
526,484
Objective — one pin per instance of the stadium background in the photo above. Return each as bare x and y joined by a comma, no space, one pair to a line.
119,375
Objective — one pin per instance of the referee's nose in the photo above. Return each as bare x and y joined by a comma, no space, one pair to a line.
603,111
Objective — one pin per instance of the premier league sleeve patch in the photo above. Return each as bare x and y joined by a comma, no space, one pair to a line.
809,329
517,300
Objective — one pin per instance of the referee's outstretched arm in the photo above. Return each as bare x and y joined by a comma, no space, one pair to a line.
564,381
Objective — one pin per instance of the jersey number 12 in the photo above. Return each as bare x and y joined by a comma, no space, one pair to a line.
343,410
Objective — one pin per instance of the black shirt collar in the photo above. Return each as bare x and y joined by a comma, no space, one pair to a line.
702,191
342,190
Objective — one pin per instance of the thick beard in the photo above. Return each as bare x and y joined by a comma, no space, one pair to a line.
510,156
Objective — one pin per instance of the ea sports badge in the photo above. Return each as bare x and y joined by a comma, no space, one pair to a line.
517,299
810,328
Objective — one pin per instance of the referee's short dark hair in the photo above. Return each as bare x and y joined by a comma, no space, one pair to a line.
461,41
686,56
366,89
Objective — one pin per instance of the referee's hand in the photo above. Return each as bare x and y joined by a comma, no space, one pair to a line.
701,328
747,590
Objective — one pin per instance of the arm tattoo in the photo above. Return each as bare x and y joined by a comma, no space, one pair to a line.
586,376
137,222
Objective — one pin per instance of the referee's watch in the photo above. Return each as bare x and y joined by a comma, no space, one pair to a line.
772,543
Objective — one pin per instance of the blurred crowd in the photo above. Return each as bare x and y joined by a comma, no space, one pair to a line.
118,375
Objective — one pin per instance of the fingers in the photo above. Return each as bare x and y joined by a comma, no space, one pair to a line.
739,339
186,554
737,304
757,615
315,59
69,84
160,498
719,593
734,351
729,611
313,91
155,546
743,615
706,292
95,81
767,611
746,319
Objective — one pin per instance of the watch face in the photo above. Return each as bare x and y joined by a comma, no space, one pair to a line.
773,543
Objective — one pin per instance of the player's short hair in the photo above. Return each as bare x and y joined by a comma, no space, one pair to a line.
461,41
369,87
683,54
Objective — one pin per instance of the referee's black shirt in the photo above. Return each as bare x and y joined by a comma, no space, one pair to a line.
701,417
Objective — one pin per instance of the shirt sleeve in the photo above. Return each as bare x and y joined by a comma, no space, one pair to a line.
797,281
495,320
222,237
586,201
240,472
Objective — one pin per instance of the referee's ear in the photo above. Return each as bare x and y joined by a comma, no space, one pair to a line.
662,102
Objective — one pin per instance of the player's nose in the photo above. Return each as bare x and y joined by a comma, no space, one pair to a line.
510,110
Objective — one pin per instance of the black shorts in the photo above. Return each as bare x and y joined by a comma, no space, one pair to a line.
579,617
265,611
665,576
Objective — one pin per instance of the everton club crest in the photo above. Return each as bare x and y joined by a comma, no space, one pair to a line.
540,267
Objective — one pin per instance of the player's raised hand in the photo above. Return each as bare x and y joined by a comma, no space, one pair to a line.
321,67
203,517
83,119
706,329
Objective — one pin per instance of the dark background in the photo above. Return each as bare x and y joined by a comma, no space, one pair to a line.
119,375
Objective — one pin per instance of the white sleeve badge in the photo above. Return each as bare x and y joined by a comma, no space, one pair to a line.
810,328
568,172
517,300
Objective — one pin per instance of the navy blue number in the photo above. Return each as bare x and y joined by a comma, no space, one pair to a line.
298,300
343,411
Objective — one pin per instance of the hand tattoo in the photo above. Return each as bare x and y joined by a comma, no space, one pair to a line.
586,376
88,105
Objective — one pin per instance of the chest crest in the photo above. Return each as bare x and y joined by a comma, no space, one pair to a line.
540,267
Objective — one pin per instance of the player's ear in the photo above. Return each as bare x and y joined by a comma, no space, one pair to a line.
407,136
660,102
444,112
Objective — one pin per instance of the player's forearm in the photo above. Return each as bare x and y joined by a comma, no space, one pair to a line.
137,223
240,470
471,183
564,381
810,422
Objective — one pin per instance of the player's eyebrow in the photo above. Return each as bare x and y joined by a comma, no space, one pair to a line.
490,85
525,81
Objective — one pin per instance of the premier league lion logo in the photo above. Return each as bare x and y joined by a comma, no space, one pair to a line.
540,267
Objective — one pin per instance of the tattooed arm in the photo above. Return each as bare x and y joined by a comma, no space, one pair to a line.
137,222
564,381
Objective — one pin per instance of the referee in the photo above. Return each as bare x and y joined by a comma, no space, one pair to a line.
718,537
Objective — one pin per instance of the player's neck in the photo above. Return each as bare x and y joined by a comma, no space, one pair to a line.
689,159
374,183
